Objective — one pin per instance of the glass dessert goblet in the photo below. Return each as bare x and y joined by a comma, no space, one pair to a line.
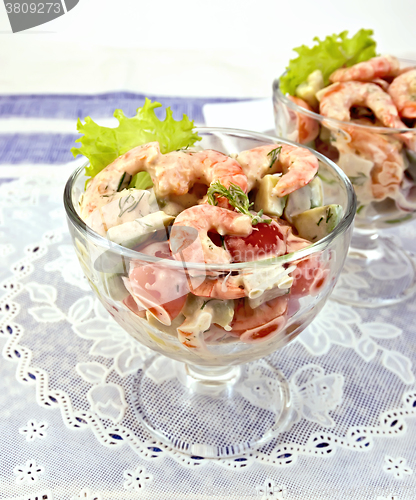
381,164
207,391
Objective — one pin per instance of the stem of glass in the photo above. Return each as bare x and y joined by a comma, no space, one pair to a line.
364,244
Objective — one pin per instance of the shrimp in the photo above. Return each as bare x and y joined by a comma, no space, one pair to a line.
403,92
189,240
337,100
261,323
125,206
385,153
377,67
381,83
172,173
389,164
229,287
308,128
386,180
297,164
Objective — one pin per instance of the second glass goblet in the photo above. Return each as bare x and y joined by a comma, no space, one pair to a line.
382,169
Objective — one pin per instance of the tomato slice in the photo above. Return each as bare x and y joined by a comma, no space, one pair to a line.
266,240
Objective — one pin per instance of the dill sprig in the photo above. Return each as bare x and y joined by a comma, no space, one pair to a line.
274,153
237,199
121,182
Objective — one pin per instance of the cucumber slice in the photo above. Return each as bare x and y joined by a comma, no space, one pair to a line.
316,192
308,89
131,234
310,196
316,223
265,200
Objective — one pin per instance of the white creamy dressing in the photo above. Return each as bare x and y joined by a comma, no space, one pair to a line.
358,169
134,232
255,164
305,198
125,206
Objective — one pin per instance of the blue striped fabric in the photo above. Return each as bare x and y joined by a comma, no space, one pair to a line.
36,148
52,149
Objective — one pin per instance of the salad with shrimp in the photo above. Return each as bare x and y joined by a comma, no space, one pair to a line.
360,97
154,190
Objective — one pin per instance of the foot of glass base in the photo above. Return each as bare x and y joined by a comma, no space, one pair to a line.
213,412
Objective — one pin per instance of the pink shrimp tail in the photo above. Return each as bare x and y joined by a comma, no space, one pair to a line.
221,288
377,67
300,170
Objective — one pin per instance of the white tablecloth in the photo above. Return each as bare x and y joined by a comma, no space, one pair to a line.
67,371
62,435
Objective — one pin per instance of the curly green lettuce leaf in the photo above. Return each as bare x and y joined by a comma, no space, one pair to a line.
102,145
333,52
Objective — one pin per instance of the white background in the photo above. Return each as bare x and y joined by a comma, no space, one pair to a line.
183,47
